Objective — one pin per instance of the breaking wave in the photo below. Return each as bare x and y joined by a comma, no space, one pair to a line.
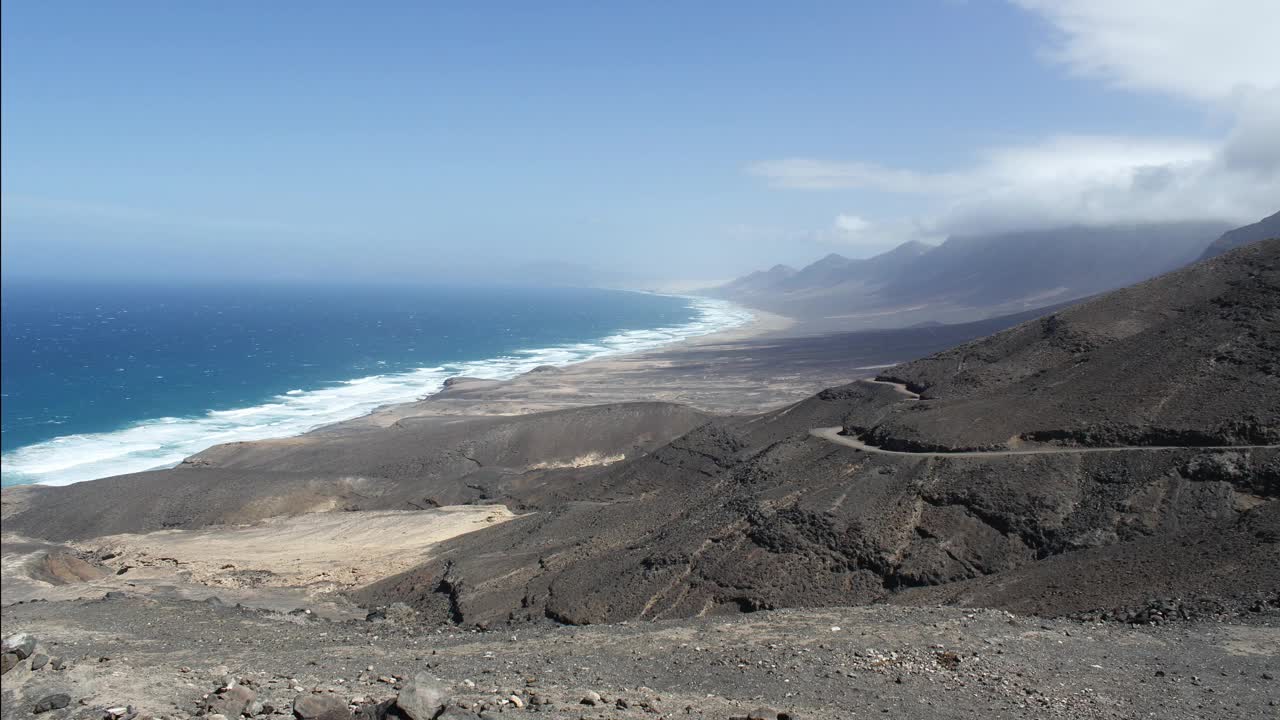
164,442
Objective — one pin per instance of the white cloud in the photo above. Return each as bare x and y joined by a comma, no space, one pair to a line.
1066,157
1071,179
851,224
1221,55
1207,50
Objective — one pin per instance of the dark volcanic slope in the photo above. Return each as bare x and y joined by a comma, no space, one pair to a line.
1238,556
1264,229
414,464
1192,357
753,513
758,514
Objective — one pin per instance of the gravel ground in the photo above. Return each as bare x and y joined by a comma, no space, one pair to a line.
164,655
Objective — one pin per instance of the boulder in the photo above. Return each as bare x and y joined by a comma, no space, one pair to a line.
232,701
8,662
374,710
320,707
401,613
56,701
22,645
422,697
39,660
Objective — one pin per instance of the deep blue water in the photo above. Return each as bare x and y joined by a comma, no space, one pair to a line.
100,380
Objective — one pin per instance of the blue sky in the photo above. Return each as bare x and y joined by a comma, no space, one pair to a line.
648,143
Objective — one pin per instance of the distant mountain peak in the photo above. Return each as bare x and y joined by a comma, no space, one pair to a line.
910,246
973,276
1265,229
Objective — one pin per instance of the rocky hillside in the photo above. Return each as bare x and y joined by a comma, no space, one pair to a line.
1189,358
414,464
755,513
1264,229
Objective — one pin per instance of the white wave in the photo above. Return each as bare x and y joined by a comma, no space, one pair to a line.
163,442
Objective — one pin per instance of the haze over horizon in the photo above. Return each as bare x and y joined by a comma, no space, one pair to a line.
628,146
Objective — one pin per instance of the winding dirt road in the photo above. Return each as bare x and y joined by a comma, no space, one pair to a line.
833,435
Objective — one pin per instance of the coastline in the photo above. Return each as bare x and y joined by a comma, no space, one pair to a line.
661,374
149,444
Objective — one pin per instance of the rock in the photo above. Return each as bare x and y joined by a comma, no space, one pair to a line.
948,660
56,701
8,662
232,701
57,663
592,698
254,708
401,613
22,645
422,697
515,700
216,716
763,713
39,660
375,616
320,707
375,710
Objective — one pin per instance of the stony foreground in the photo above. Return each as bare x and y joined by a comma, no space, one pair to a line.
177,659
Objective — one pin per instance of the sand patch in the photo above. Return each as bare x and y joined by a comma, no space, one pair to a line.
580,461
322,552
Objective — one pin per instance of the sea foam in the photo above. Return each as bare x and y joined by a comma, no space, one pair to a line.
164,442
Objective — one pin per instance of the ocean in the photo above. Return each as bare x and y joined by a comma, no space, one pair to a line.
101,380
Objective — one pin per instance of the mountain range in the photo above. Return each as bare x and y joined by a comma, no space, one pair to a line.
977,276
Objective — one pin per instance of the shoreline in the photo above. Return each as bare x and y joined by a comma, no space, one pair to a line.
99,445
761,324
603,380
